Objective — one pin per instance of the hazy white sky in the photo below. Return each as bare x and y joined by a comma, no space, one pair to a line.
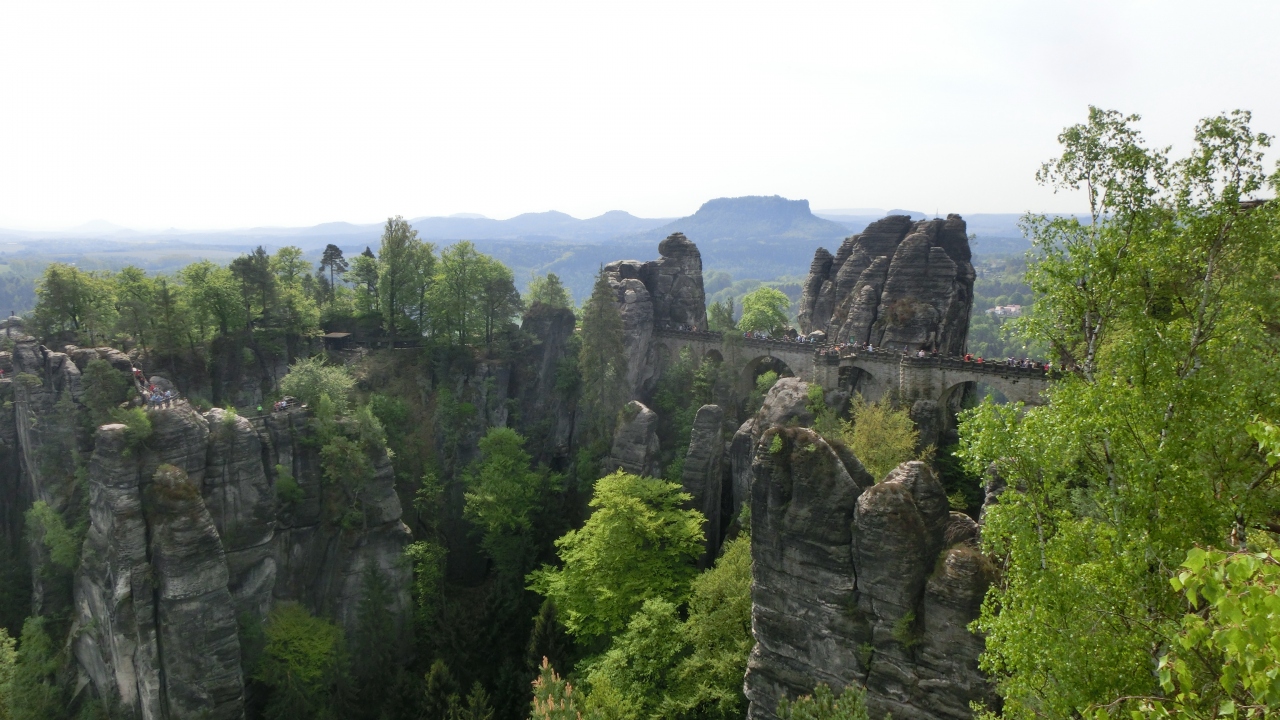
202,115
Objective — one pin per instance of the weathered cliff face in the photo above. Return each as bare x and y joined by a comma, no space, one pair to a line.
860,583
896,283
545,415
186,534
662,293
635,442
317,563
786,401
702,475
156,625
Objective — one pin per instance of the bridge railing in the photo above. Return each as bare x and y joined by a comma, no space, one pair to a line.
822,351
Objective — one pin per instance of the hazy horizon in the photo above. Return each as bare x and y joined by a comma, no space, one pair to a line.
209,118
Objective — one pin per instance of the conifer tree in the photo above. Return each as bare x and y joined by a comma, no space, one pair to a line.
603,359
333,261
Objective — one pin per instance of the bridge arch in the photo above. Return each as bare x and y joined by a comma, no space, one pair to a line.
761,364
872,383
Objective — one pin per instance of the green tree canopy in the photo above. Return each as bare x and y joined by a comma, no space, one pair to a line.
639,543
764,310
504,497
299,662
1164,301
309,379
548,290
399,287
720,316
70,299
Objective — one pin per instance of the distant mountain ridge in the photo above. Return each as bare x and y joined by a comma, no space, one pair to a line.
752,218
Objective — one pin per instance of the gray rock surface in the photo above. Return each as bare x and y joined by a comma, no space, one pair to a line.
156,626
860,583
545,416
786,401
896,283
662,293
635,442
170,562
242,504
702,475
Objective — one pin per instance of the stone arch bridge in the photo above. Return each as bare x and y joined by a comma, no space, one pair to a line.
873,374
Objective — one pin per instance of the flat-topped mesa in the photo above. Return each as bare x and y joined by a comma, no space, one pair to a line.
657,294
896,283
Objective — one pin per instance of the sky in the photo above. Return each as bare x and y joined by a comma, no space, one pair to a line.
227,115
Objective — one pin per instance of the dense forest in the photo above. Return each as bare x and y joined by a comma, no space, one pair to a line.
1131,522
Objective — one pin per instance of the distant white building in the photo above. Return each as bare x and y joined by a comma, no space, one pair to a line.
1004,311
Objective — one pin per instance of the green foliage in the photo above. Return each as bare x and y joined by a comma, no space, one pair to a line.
405,268
48,527
1145,452
638,544
300,661
720,316
347,470
8,659
766,381
287,489
377,642
310,378
1223,660
104,389
556,699
441,700
708,681
602,361
548,290
478,706
504,497
548,643
1267,435
633,675
764,310
682,388
775,445
662,666
881,436
391,412
904,631
826,705
33,690
137,426
69,299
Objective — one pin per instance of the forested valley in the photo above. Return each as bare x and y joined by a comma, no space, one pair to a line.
392,487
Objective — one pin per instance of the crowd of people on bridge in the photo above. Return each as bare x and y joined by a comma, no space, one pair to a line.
1023,363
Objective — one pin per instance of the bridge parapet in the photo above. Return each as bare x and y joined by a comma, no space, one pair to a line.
934,377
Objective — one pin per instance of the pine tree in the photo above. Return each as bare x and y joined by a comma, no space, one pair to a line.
376,644
441,692
548,643
603,359
333,261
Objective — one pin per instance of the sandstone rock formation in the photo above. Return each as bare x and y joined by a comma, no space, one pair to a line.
635,442
863,583
185,532
786,401
157,629
545,415
898,283
702,475
662,293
